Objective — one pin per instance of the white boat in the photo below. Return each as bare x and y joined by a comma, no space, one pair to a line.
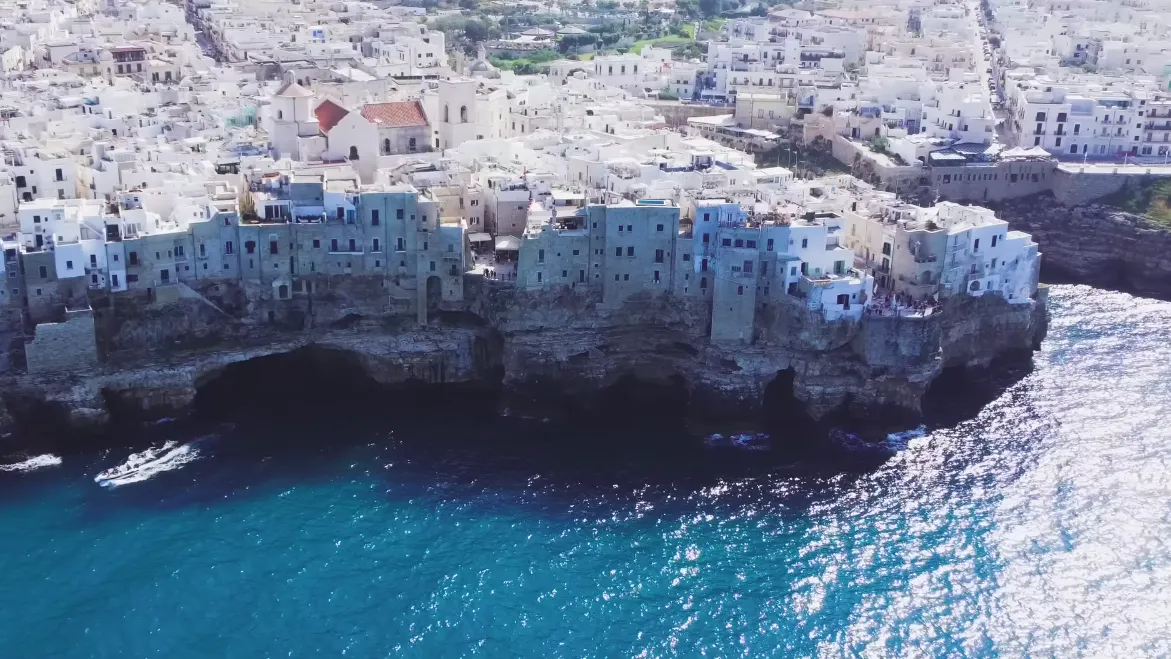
141,466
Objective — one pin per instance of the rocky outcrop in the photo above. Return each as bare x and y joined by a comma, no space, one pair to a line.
557,349
1096,244
163,385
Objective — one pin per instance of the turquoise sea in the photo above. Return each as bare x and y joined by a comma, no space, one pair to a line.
1040,527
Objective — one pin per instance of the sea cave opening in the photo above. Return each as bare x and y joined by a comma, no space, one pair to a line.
631,401
315,384
784,415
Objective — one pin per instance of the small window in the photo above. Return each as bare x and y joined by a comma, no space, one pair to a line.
374,218
273,247
398,214
43,271
658,227
316,243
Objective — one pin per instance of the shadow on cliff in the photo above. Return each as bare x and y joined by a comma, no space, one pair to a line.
310,419
330,387
960,393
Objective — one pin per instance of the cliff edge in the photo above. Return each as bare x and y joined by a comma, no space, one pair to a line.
542,351
1096,244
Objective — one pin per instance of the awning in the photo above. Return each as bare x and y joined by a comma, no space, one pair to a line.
479,238
508,244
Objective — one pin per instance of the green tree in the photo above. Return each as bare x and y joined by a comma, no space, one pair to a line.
247,206
476,31
709,8
575,42
693,50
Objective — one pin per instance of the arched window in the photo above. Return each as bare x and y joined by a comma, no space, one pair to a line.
446,115
463,114
975,286
280,114
283,291
386,145
353,153
411,146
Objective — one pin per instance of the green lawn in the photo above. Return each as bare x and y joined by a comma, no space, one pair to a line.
1152,200
715,24
673,40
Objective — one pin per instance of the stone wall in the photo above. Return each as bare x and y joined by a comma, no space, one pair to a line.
1074,185
63,347
676,113
896,341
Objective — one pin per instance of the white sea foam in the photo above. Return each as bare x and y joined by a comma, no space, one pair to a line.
147,464
38,462
900,440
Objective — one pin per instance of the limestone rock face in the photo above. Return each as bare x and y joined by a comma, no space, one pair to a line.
553,349
1096,244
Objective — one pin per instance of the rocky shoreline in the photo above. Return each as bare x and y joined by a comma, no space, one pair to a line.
1095,244
551,352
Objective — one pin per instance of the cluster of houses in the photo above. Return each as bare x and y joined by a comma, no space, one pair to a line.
292,173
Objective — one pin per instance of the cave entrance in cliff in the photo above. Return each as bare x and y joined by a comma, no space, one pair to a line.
633,401
312,381
782,411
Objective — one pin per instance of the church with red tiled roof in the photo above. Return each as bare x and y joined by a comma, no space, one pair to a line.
375,129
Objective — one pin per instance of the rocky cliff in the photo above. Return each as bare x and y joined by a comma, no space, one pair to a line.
545,352
1096,244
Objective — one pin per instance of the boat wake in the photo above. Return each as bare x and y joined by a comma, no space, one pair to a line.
34,463
148,464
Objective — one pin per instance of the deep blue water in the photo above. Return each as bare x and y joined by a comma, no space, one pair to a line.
1039,528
